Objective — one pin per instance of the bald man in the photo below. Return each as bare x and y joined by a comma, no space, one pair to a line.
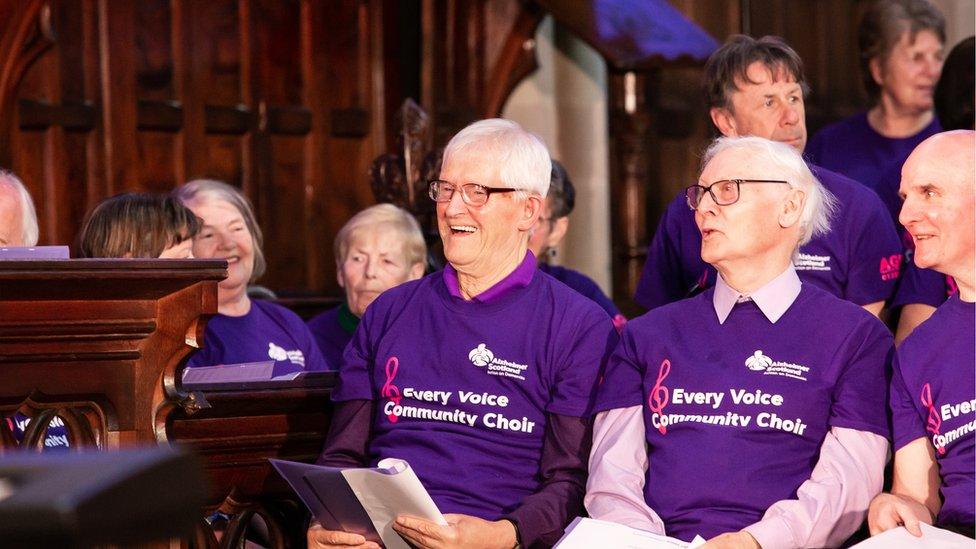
18,221
933,388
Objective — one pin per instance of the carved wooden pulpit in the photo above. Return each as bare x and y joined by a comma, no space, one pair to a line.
101,343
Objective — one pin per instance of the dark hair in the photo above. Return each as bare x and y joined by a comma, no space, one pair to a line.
562,194
136,225
881,29
729,65
954,93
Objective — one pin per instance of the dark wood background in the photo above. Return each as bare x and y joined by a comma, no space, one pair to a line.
292,99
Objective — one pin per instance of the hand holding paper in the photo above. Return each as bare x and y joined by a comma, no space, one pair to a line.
461,531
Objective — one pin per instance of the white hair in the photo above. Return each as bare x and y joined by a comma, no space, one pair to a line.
28,216
378,217
522,157
787,164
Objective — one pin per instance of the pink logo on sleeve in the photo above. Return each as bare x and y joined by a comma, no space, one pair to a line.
390,391
660,395
890,267
934,422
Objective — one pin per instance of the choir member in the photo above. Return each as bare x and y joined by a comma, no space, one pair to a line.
18,220
481,375
132,225
245,330
933,387
379,248
761,400
756,87
549,232
901,51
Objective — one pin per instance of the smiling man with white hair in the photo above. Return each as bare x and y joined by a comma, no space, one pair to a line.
18,220
480,376
761,400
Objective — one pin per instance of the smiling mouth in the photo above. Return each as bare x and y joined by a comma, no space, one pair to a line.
232,259
462,229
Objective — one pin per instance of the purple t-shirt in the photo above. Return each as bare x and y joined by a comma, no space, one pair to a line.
853,148
333,330
735,413
462,389
923,286
933,395
858,260
267,331
55,438
582,284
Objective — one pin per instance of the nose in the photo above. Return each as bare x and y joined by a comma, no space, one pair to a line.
225,241
933,67
791,116
369,270
706,205
909,212
456,205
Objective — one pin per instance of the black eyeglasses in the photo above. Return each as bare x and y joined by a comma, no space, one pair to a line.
724,192
472,194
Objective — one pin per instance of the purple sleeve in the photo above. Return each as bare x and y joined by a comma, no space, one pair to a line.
355,380
542,517
906,422
348,438
923,286
583,356
662,280
621,386
876,256
861,392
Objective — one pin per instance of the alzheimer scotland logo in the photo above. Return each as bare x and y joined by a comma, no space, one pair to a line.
759,362
482,357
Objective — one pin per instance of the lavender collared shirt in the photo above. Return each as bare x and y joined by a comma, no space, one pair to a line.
847,475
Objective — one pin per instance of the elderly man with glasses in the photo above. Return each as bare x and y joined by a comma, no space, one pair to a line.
480,376
753,413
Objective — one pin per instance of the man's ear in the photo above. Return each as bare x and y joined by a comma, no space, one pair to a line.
531,210
559,228
416,271
724,121
339,279
791,209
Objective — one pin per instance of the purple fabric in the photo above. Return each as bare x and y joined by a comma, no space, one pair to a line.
330,335
583,284
630,33
473,383
714,464
923,286
858,260
852,147
266,331
519,278
55,438
933,395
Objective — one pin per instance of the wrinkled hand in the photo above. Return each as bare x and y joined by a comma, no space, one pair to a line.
320,538
889,511
732,540
461,531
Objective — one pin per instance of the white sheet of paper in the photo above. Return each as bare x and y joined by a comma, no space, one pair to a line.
586,533
384,496
932,537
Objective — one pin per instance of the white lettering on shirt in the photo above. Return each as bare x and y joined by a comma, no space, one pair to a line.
681,396
950,411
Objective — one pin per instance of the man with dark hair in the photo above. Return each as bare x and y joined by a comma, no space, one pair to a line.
756,87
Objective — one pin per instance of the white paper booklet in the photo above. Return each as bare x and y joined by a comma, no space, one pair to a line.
362,501
586,533
932,537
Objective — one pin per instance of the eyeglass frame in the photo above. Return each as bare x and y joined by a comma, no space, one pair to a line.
464,195
738,190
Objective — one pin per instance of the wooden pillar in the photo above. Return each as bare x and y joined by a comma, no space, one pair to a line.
629,125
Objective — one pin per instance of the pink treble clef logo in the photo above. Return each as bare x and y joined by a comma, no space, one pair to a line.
389,390
934,423
660,395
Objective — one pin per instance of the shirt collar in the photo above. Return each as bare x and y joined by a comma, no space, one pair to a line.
519,278
773,298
